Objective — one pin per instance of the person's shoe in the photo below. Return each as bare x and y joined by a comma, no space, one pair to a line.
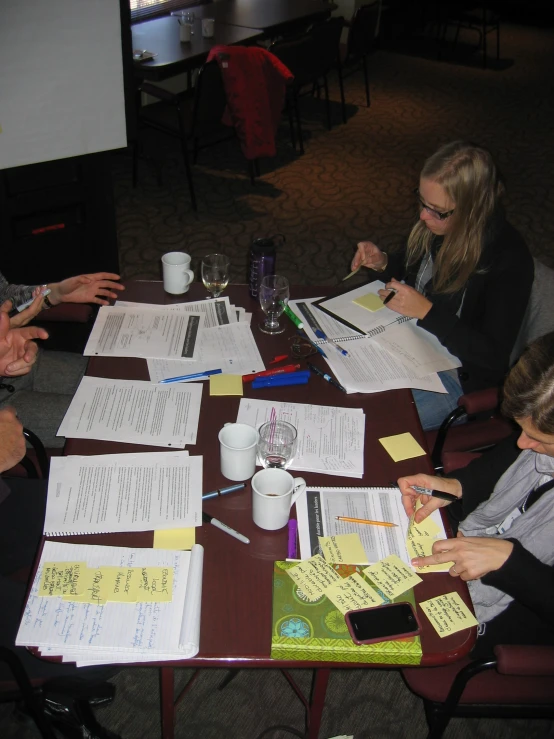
74,719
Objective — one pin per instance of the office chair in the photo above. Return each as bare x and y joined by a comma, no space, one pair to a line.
518,681
472,17
326,36
361,42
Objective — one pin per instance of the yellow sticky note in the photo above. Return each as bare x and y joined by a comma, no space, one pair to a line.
351,593
370,302
392,576
226,385
427,527
175,539
448,614
155,584
343,549
402,446
313,576
422,546
61,578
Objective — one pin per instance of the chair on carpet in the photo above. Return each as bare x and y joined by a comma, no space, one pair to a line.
361,42
518,681
326,36
193,116
468,15
490,426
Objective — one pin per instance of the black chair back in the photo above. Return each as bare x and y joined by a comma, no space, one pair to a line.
361,37
326,36
299,55
209,100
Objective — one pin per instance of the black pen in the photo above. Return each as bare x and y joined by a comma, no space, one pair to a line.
326,376
223,491
433,493
390,296
206,518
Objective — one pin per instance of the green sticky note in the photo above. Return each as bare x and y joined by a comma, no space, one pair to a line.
226,385
370,302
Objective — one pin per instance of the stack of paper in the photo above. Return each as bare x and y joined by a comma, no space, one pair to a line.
330,440
155,618
392,352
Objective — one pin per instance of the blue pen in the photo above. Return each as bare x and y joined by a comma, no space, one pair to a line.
184,378
223,491
321,335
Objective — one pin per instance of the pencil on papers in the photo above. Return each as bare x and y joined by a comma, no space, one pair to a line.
365,520
351,274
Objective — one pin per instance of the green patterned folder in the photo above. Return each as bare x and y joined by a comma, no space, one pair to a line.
317,631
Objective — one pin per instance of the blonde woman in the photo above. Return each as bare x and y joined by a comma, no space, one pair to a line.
465,273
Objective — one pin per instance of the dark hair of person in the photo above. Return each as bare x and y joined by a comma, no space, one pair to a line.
470,178
529,388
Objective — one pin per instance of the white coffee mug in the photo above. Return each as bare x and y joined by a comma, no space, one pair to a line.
237,446
176,272
208,26
273,493
185,31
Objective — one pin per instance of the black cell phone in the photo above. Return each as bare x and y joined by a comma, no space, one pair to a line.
382,623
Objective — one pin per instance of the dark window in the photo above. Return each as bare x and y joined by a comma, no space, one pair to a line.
142,9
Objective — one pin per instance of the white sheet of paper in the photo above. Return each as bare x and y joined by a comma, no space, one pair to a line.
216,312
330,439
317,510
419,350
117,632
123,492
133,411
231,348
143,332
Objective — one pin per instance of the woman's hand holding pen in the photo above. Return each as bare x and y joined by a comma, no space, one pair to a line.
406,300
369,255
430,504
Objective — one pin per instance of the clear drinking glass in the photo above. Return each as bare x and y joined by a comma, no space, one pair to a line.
277,444
274,295
215,273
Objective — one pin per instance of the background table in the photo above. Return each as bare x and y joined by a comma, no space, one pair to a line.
237,582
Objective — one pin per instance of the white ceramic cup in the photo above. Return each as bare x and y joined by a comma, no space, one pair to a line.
208,27
185,31
237,446
176,272
273,493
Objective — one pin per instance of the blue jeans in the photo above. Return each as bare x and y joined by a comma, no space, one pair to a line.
434,407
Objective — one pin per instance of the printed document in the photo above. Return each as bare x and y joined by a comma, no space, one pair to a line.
143,332
134,412
117,632
123,492
330,440
216,312
231,348
317,509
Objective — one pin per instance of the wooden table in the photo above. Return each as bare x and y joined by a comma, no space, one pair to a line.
244,573
236,22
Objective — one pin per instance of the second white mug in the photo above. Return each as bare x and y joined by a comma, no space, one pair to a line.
237,444
273,493
176,272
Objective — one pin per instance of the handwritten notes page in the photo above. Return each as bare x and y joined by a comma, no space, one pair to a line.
330,439
133,411
448,614
421,537
92,633
123,492
313,577
317,510
352,593
143,332
343,549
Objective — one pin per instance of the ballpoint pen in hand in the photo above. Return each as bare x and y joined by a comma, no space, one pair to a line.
325,376
427,491
390,296
320,335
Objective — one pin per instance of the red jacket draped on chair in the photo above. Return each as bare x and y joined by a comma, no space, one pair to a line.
255,83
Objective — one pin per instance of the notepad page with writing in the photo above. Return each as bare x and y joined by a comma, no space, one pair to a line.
137,632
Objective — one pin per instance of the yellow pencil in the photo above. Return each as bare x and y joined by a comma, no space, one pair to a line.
365,520
351,274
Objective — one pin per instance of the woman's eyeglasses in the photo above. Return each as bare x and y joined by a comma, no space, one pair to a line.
432,212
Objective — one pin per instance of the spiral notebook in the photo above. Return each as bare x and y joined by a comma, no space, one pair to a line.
123,492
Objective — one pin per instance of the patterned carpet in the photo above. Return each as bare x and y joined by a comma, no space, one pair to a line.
353,182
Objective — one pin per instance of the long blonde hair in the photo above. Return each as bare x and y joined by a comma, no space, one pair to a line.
469,177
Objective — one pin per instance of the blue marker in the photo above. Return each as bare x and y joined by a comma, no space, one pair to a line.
185,378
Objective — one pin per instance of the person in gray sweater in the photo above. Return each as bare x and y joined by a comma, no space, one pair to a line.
504,517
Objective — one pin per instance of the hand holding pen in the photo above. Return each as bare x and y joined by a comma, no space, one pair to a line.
426,488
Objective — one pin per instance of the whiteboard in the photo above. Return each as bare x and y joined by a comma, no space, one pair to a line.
61,85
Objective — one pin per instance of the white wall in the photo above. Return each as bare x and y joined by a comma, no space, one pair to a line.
61,80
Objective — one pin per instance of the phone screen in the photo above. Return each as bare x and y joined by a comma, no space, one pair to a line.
375,623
